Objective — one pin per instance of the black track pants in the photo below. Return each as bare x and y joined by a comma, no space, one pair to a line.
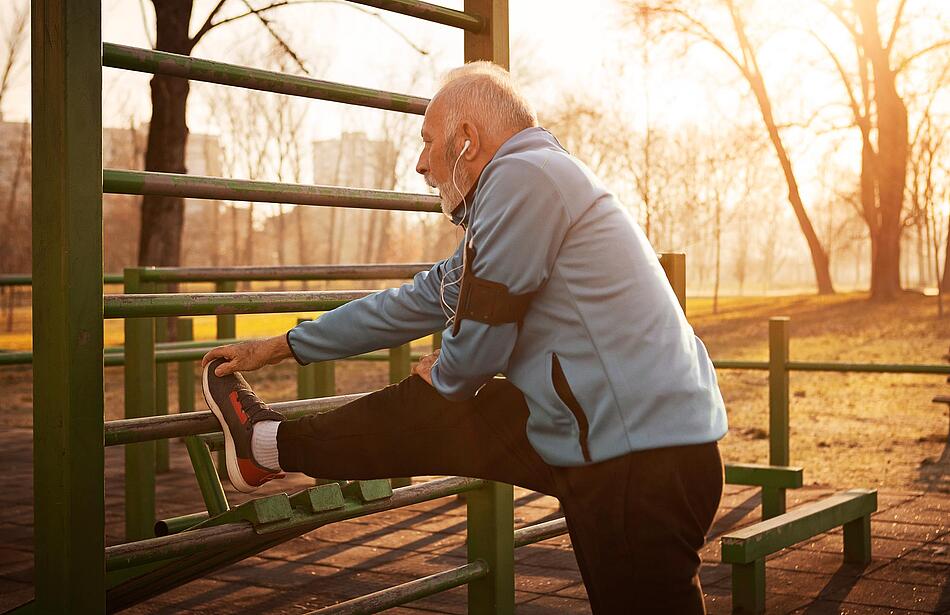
636,522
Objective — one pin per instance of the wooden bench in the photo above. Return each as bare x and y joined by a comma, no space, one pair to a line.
747,548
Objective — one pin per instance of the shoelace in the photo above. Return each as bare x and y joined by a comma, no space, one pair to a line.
251,403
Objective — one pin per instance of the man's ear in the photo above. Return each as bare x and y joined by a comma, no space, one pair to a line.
470,133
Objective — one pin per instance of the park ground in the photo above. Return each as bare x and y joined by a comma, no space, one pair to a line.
872,430
848,430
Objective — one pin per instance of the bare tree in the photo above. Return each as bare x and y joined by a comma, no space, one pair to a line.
683,19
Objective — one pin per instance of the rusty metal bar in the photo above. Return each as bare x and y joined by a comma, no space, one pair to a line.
429,12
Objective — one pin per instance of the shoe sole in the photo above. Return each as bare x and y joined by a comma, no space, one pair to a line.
230,454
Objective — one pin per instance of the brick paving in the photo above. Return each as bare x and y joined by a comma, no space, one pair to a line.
910,572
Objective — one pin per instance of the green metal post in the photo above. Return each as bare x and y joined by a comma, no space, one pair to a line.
436,341
68,399
161,386
491,43
400,366
674,265
139,402
491,539
208,482
316,379
226,330
773,499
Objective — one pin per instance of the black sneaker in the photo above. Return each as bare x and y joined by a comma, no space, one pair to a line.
237,408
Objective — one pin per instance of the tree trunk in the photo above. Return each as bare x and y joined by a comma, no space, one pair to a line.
892,157
163,217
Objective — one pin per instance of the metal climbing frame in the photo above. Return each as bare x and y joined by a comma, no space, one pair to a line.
67,60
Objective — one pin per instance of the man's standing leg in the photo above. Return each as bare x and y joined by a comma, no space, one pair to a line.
637,523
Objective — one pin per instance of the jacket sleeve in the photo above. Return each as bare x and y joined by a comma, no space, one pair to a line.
385,319
518,223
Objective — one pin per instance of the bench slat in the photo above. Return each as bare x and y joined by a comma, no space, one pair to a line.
762,475
760,539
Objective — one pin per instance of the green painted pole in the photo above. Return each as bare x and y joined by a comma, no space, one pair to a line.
161,387
226,329
212,492
68,399
436,341
491,539
139,402
773,499
674,265
316,379
400,366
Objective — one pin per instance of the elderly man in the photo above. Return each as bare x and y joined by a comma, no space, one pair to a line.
610,404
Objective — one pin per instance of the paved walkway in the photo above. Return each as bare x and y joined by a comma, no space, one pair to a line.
910,572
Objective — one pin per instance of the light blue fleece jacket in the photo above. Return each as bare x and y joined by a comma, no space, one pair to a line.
604,318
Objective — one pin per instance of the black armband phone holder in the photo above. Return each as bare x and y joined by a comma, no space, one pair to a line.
486,301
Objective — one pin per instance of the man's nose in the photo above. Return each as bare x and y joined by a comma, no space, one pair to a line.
421,167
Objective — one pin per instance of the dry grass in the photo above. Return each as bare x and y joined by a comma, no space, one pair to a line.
847,429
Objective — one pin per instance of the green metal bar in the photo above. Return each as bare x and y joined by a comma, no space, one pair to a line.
436,342
316,379
407,592
881,368
226,327
68,459
674,264
196,69
212,492
428,12
204,304
400,365
737,364
540,531
748,587
139,402
162,464
117,181
491,538
26,279
313,272
128,431
174,525
773,500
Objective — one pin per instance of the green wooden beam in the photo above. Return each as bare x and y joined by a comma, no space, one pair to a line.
68,400
761,475
491,539
760,539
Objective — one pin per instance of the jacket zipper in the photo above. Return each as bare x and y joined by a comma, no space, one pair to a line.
563,390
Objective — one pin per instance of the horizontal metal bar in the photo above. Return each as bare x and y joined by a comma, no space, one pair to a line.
17,357
315,272
735,364
186,67
760,475
877,368
228,535
118,181
127,431
26,279
429,12
204,304
407,592
174,525
540,531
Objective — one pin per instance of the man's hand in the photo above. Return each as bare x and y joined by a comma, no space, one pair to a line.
250,355
424,366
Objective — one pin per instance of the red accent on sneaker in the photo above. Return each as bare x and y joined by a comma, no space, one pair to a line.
237,407
253,474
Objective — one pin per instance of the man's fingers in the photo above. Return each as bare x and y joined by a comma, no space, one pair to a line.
226,368
214,353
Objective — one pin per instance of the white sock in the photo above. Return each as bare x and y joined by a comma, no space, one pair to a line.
264,444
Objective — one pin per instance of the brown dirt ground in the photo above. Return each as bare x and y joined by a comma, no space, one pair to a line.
848,430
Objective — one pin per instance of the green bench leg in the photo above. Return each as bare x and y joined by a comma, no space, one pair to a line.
773,502
748,587
857,541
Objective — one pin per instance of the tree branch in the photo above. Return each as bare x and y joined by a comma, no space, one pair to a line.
208,24
917,54
895,27
278,38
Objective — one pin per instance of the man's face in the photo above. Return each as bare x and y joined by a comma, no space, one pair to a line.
437,159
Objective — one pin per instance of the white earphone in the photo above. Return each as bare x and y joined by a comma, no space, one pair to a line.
446,308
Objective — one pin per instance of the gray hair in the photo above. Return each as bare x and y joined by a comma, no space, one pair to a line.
485,94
